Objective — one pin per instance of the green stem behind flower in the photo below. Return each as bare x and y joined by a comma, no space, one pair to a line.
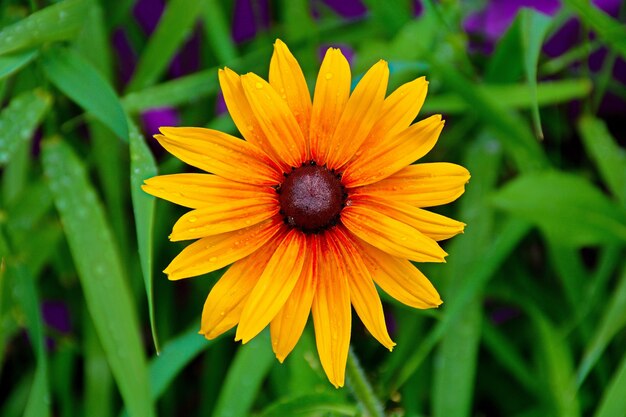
360,386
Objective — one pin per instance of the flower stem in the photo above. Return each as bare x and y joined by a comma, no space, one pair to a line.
357,381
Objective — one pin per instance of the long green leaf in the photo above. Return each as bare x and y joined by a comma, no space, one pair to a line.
457,354
19,120
608,29
609,157
143,166
534,26
54,23
106,292
612,321
216,27
10,64
565,206
555,355
175,25
515,96
80,81
244,378
612,402
309,405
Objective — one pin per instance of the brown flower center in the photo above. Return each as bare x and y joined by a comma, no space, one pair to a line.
311,198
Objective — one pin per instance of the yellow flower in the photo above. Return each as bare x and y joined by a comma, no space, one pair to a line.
315,206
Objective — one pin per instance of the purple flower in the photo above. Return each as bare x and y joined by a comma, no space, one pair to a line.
153,119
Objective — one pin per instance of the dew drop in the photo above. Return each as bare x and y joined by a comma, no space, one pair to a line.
213,259
329,75
259,85
192,219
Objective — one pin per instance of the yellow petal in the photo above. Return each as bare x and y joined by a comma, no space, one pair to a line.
394,154
431,224
288,80
287,326
331,315
274,286
398,112
276,120
421,185
332,91
221,218
223,306
399,278
241,112
221,154
214,252
363,293
360,114
390,235
200,190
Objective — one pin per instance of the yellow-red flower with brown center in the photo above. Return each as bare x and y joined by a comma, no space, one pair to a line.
318,203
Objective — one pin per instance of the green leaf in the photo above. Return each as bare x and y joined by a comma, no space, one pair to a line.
516,96
245,375
99,268
81,82
613,320
565,206
142,167
609,157
457,354
506,63
608,29
174,27
612,402
534,26
173,93
38,404
556,359
10,64
176,354
19,120
309,405
217,29
58,22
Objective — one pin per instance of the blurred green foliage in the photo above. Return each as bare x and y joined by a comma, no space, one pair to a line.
535,291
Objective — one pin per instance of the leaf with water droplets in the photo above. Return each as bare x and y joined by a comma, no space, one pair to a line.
61,21
143,166
19,120
99,267
81,82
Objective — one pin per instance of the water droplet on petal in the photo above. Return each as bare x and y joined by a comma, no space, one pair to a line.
192,219
329,75
259,85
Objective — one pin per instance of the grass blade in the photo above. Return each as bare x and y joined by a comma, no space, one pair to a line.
534,26
10,64
612,403
310,405
216,27
175,25
99,268
515,96
143,166
565,206
609,157
19,120
245,375
81,82
608,29
58,22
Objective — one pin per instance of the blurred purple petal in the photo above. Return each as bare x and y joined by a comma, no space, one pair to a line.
147,13
187,60
153,119
126,56
250,17
350,9
220,104
56,315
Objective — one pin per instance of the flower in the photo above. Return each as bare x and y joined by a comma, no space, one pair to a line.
315,206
